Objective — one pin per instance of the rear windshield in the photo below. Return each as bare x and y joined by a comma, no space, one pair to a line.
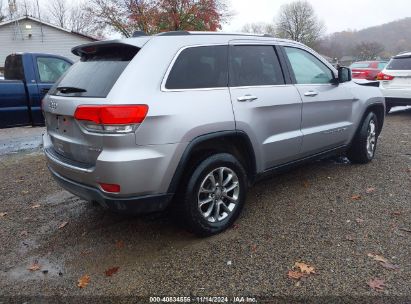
360,65
96,72
399,63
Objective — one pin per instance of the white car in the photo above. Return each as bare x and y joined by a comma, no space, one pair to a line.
395,81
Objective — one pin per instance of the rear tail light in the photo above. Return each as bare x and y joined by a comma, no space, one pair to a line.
112,188
382,76
111,119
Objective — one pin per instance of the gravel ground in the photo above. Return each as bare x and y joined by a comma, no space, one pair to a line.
328,214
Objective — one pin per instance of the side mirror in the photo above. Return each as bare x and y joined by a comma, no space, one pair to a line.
344,74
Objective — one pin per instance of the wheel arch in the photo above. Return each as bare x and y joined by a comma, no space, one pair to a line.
234,142
379,110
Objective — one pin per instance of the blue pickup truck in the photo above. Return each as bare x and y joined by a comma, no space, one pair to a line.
27,78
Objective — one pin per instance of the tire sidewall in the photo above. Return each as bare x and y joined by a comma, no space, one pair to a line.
364,134
195,219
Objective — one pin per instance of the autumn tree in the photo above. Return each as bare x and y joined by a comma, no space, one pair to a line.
298,21
154,16
367,50
259,28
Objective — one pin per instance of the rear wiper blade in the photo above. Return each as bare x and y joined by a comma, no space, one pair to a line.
67,90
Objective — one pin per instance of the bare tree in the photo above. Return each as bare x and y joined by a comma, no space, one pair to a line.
298,21
3,15
368,50
259,28
59,12
81,21
26,8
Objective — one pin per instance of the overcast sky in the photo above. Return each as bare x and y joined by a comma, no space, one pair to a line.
337,15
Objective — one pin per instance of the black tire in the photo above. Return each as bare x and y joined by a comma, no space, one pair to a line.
189,209
387,109
358,152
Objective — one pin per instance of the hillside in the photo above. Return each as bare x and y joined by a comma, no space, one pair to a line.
395,37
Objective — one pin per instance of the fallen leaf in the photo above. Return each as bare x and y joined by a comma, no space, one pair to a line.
111,271
62,225
120,244
405,230
304,268
390,266
349,238
85,252
254,248
370,190
236,226
35,206
356,197
83,281
359,220
378,258
24,233
2,214
397,213
34,267
25,192
376,284
296,275
306,184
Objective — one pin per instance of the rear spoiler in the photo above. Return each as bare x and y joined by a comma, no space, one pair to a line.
370,84
90,48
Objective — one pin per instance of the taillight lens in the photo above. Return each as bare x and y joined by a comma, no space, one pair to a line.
111,119
382,76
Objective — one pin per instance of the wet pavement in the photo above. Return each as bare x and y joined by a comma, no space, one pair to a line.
329,214
14,140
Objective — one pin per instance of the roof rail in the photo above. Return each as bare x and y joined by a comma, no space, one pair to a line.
174,33
139,34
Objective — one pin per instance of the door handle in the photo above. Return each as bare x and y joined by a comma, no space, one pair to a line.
247,98
310,93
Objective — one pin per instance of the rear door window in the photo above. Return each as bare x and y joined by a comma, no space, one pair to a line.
399,63
254,65
50,69
96,72
199,68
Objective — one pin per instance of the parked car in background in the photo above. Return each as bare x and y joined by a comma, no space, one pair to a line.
27,78
396,81
1,77
206,115
367,70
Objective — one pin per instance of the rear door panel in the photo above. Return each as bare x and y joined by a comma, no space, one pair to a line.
272,121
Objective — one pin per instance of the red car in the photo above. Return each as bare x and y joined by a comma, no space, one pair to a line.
367,69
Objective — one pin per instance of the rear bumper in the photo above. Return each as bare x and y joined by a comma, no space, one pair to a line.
129,205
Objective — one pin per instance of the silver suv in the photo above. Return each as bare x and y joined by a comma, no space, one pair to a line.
195,118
